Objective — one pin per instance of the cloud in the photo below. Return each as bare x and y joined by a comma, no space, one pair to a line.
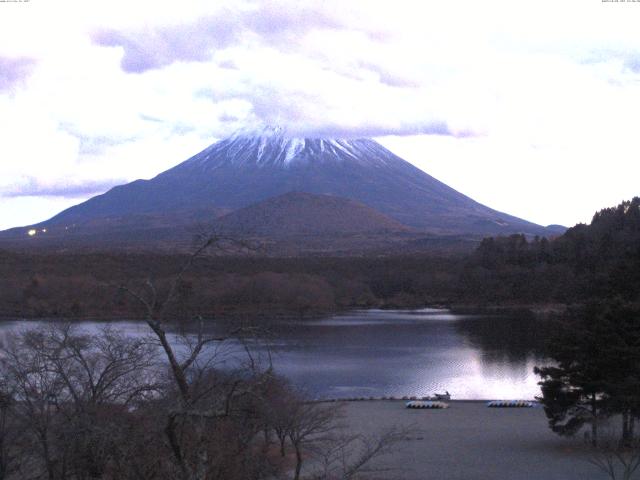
33,187
306,66
157,47
633,62
277,20
317,101
14,70
626,59
94,145
91,144
391,78
369,131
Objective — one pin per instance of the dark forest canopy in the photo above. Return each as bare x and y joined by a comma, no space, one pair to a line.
600,260
588,261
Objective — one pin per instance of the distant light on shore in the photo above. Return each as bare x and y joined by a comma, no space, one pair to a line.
32,232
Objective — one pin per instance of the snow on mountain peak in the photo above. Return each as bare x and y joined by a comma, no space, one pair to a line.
273,146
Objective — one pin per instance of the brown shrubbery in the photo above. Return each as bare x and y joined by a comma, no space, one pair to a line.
86,285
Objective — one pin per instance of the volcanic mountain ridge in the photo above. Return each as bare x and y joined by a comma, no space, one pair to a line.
342,186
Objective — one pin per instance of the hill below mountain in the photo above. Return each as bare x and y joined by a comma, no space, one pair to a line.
299,213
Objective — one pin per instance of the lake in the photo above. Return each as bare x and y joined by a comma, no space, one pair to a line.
389,353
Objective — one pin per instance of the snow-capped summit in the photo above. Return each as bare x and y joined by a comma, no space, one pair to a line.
273,145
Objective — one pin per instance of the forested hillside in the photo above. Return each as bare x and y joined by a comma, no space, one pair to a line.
589,261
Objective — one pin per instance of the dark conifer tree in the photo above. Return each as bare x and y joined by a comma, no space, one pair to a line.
597,374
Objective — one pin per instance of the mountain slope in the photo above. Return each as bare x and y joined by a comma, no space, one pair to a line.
250,167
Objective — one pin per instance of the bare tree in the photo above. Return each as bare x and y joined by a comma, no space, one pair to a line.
279,401
346,457
202,401
10,435
35,391
105,375
69,391
310,423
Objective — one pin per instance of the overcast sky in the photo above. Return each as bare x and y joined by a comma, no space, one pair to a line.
531,108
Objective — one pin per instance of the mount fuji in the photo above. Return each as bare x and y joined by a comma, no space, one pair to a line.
251,168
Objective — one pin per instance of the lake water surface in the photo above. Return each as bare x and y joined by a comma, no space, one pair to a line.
390,353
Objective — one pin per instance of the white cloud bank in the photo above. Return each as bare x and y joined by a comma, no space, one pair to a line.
528,108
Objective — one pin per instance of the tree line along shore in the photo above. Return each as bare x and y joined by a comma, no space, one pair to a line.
600,260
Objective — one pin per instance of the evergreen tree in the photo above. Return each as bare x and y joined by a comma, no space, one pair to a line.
597,371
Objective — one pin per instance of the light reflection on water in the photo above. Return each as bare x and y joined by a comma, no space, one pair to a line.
392,353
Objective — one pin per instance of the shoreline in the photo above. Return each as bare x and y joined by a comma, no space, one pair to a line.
536,403
542,311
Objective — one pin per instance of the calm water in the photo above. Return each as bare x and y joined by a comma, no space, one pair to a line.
380,353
